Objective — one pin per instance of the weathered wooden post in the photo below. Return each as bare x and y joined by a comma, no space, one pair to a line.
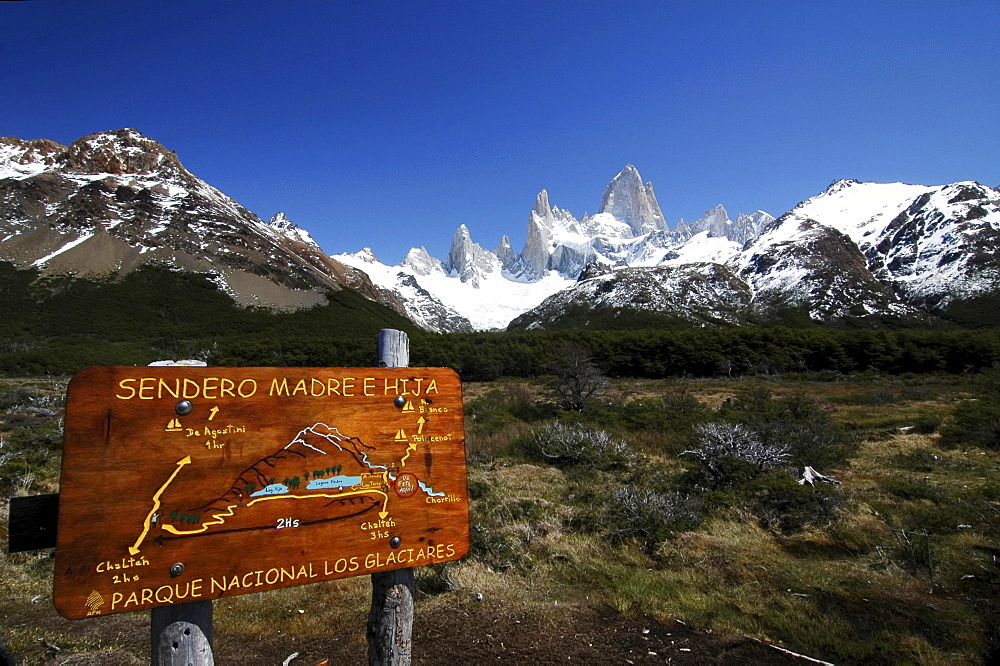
181,635
390,620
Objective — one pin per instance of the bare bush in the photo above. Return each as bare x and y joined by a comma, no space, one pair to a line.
577,377
722,444
577,444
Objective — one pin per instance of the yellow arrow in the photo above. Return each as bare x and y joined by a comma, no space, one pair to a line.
213,412
132,550
420,424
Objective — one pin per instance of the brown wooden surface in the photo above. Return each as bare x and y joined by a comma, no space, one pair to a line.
144,489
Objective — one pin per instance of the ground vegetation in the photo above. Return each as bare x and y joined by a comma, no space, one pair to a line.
666,520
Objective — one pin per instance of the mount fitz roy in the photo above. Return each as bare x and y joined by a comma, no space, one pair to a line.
475,288
112,202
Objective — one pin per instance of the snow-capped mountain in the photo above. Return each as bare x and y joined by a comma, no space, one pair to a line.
934,246
695,293
858,251
113,201
437,299
487,289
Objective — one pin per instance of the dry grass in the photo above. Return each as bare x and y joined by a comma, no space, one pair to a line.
847,591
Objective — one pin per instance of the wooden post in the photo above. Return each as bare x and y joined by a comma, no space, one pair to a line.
181,635
390,620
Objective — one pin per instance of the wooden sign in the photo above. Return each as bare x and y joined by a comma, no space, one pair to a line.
182,484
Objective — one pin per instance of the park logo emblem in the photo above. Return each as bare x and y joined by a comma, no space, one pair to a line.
94,603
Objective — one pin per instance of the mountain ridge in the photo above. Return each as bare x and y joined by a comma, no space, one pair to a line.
112,202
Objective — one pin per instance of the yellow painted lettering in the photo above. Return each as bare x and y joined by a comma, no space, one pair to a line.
146,385
226,387
369,386
279,389
348,385
209,388
165,388
333,386
125,385
300,387
191,388
116,598
247,388
314,383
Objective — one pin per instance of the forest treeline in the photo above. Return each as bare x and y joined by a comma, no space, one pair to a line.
713,352
61,325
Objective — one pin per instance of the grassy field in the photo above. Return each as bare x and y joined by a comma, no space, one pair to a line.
663,522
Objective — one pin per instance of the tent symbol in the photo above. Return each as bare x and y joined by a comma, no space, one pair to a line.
174,425
400,436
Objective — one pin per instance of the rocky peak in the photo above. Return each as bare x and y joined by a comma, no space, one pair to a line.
420,261
542,208
715,221
286,229
504,252
748,227
20,159
280,221
123,151
469,261
367,255
632,202
535,255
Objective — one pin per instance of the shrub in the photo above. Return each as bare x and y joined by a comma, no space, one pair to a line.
729,452
783,504
796,422
649,515
908,489
498,408
497,548
917,460
927,423
577,377
975,423
577,444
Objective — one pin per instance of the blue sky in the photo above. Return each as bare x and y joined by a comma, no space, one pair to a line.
388,124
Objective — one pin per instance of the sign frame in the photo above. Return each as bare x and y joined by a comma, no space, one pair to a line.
164,501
